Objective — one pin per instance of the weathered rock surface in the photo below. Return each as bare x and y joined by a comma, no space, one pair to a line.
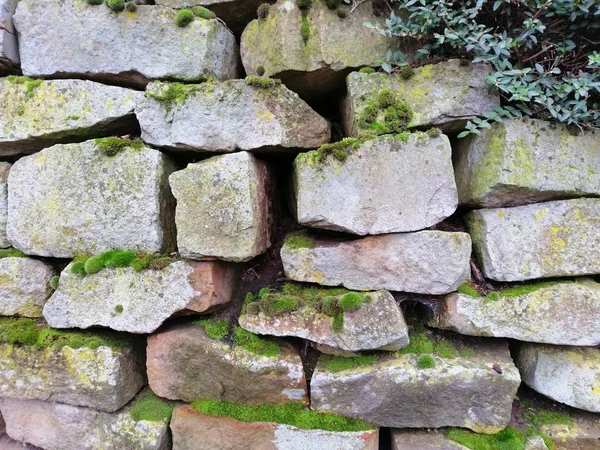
230,116
423,440
444,95
428,262
7,443
560,313
4,170
24,286
321,63
54,426
384,186
138,302
223,208
9,51
72,199
518,162
183,363
376,325
222,433
395,392
582,434
130,48
551,239
570,375
57,111
103,378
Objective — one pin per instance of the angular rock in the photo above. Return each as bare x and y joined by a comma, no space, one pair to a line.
582,434
54,426
570,375
222,433
128,48
395,392
427,262
384,186
138,302
552,239
183,363
320,64
4,170
444,95
527,161
423,440
223,208
377,325
229,116
9,51
24,286
61,111
7,443
88,202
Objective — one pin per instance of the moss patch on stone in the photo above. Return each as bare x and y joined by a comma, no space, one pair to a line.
89,265
516,291
263,10
508,439
184,17
53,283
215,329
116,5
262,82
385,115
293,414
112,146
150,407
298,239
367,70
203,13
426,362
340,363
11,253
172,94
29,83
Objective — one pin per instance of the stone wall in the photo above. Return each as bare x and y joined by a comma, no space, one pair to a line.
221,227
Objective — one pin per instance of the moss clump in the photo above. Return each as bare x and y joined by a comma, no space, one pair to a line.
112,146
367,70
203,13
263,10
305,29
264,83
421,344
29,83
53,283
94,2
385,115
215,329
517,291
341,12
407,72
150,407
278,305
260,71
298,239
541,417
339,363
426,362
304,5
184,17
89,265
171,94
337,150
508,439
434,132
116,5
131,7
11,253
293,414
351,302
119,309
256,344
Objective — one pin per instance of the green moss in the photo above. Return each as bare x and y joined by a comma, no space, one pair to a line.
385,115
94,2
260,82
203,13
434,132
215,329
338,322
131,7
89,265
119,309
465,352
112,146
11,253
467,289
263,10
516,291
367,70
541,417
339,363
171,94
426,362
445,349
351,302
407,72
341,13
148,406
419,343
116,5
78,266
305,29
278,305
53,283
184,17
298,239
304,5
338,150
29,83
256,344
294,414
260,71
508,439
118,258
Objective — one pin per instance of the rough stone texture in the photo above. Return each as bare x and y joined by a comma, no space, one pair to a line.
552,239
427,262
88,202
4,170
7,443
321,63
584,434
222,433
231,116
54,426
423,440
126,47
395,392
384,186
24,286
223,209
138,302
527,161
101,378
563,314
444,95
570,375
9,51
60,111
183,363
376,325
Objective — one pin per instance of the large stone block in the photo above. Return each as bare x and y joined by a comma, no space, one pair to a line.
229,116
4,170
38,114
223,208
427,262
423,440
444,95
74,199
527,161
24,286
138,302
570,375
311,68
552,313
9,50
552,239
386,185
130,48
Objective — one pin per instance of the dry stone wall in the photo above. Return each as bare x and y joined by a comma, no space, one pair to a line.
223,227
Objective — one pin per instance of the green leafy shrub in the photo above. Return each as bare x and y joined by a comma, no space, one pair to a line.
116,5
184,17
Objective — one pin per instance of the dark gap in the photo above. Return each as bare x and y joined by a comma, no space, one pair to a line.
385,439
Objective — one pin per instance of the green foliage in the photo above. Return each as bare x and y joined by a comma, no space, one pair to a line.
150,407
263,10
203,13
260,82
53,283
341,12
94,2
298,239
256,344
215,329
184,17
367,70
131,6
112,146
116,5
426,362
339,363
385,115
11,253
351,302
29,83
293,414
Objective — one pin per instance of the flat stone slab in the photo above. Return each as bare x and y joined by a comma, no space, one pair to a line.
396,392
24,286
138,302
223,208
9,51
423,440
229,116
569,375
386,185
320,64
88,202
444,95
38,114
4,170
527,161
551,239
183,363
427,262
190,427
121,48
582,434
54,426
378,324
